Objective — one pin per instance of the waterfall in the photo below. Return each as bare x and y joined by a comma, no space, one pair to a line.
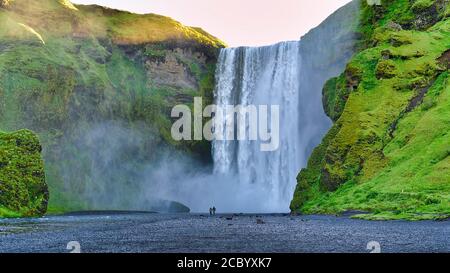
288,74
267,75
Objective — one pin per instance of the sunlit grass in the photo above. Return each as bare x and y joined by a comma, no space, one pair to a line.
32,31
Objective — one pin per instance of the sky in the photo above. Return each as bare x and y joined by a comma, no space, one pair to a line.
238,22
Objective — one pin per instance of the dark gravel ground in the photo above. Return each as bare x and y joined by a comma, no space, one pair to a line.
145,232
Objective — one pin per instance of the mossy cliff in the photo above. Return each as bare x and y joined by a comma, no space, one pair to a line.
97,85
388,150
23,191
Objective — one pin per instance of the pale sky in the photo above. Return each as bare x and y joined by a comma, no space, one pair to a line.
237,22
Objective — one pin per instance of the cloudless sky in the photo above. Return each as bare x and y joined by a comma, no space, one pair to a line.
238,22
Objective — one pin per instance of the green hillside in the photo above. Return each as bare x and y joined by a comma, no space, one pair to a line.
22,179
84,77
388,150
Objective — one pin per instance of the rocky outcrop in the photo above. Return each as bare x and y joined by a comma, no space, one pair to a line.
428,12
175,68
23,190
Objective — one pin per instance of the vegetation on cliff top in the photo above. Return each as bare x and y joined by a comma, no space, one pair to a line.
387,153
53,18
23,191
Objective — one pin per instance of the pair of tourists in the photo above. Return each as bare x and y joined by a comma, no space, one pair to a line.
212,211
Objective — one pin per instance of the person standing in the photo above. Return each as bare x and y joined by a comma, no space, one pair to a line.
214,210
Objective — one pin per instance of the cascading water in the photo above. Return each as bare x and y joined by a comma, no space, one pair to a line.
288,74
265,76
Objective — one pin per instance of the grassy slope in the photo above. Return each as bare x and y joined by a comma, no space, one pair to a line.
388,151
65,68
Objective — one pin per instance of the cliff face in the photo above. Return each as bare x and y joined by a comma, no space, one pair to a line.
325,50
98,85
387,152
23,191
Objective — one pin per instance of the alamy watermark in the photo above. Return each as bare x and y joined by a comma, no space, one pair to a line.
374,247
74,247
228,123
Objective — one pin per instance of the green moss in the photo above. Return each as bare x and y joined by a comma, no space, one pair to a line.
375,18
386,69
7,213
420,5
334,95
387,152
23,191
308,178
155,52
